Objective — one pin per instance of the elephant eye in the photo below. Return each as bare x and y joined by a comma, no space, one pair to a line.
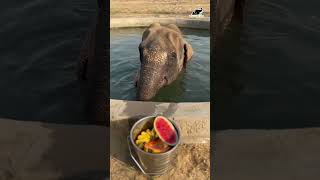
165,80
140,48
141,54
140,51
173,55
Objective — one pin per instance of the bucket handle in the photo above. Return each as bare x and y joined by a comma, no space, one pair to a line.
136,161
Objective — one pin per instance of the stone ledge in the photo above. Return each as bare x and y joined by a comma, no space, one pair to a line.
192,118
199,23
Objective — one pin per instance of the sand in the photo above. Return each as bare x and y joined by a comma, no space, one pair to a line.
192,161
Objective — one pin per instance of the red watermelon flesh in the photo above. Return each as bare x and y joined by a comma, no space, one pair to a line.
165,130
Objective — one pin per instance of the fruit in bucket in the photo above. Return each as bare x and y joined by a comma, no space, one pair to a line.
165,130
145,137
156,146
160,139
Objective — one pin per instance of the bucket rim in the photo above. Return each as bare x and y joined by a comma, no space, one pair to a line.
140,150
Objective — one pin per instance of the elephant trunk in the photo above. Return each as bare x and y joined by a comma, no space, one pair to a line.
149,83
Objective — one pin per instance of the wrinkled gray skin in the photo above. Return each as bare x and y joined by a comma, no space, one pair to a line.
163,55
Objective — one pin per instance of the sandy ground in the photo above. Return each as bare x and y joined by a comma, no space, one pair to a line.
191,161
157,8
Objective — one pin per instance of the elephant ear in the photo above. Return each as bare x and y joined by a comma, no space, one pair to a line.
188,52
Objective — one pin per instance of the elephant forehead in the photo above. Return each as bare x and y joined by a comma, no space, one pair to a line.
155,55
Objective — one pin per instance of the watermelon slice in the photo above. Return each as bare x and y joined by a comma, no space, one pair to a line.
165,130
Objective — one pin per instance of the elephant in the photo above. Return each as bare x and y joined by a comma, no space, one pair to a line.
164,53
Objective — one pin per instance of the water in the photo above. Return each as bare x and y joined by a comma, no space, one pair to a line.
193,85
40,42
271,65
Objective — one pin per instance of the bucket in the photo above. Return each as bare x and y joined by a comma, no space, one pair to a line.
149,163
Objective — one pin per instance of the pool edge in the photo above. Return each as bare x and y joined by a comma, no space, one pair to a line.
200,23
193,119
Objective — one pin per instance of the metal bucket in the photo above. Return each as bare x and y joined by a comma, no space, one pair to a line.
149,163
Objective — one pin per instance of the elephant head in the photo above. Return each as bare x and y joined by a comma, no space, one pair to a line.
163,54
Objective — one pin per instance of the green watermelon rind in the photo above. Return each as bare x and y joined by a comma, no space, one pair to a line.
172,127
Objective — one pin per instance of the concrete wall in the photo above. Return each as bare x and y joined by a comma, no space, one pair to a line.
199,23
192,118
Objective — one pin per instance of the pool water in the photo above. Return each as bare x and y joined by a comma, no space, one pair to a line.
192,85
270,65
39,54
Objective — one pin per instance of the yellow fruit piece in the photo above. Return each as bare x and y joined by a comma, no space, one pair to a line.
156,151
140,137
139,141
144,137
